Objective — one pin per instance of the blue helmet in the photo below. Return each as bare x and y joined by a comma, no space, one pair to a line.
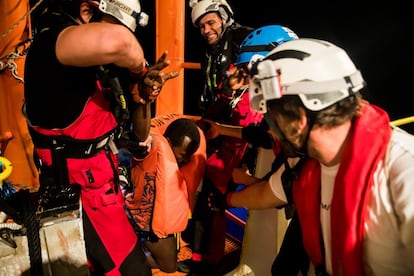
262,40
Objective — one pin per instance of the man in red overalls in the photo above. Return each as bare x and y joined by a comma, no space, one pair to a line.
73,107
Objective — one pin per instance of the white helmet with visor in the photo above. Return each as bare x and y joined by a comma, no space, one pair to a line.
319,72
202,7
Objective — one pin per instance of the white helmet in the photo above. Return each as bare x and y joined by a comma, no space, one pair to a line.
202,7
319,72
128,12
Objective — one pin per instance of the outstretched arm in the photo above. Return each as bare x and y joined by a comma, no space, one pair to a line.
243,176
257,196
217,129
141,120
149,89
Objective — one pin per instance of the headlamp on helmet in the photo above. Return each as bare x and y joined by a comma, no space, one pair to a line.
128,12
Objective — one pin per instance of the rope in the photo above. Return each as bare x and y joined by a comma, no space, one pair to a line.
14,26
7,62
403,121
33,236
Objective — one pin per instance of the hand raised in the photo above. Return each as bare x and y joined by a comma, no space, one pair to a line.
237,78
154,79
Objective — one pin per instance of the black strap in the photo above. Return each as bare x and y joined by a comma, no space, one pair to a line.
288,176
279,160
259,48
70,147
113,91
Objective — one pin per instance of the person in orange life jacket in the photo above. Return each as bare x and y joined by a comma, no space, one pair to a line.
167,167
354,191
291,258
215,21
73,130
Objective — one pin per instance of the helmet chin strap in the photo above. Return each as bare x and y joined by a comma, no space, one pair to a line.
223,27
302,152
311,116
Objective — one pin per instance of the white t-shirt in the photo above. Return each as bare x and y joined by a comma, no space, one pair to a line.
328,175
389,225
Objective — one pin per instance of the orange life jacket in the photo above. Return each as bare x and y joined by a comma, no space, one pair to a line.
163,192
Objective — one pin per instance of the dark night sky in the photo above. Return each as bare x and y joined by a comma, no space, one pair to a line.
377,38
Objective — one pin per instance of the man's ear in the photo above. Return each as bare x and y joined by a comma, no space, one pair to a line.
86,12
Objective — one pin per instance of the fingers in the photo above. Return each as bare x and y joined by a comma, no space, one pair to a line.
162,57
161,63
155,79
156,90
171,75
157,75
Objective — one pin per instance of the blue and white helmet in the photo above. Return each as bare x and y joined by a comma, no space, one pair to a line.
262,40
319,72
